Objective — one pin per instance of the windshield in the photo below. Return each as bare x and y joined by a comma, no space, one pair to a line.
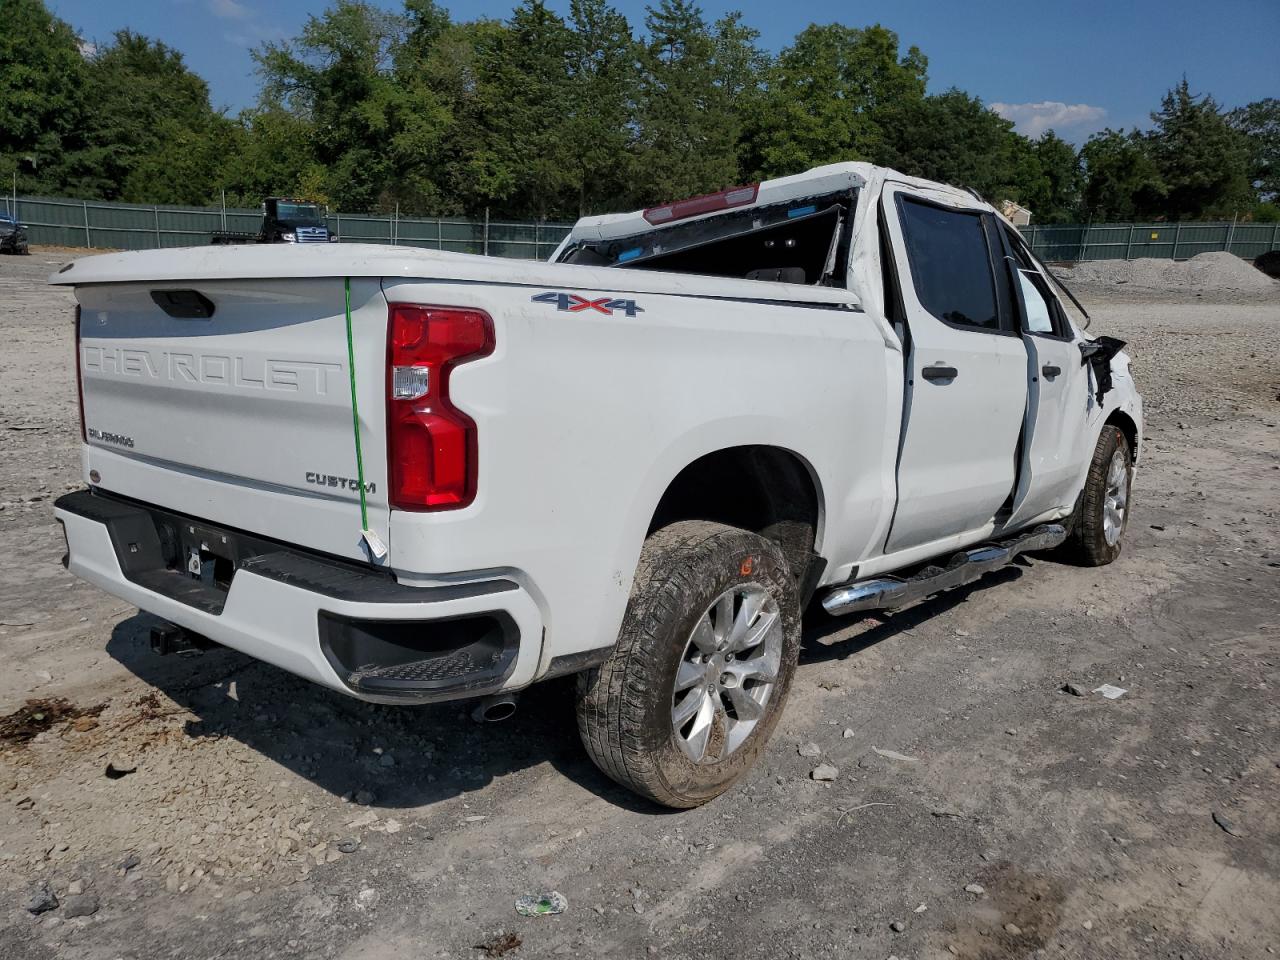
304,213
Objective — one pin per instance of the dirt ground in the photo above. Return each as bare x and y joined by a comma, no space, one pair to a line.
211,806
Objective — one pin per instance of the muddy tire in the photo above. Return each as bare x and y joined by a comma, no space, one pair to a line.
1102,511
683,707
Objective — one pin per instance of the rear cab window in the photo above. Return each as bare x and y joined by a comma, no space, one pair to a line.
801,241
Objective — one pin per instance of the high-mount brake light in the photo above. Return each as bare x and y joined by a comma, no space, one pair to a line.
707,203
431,444
80,378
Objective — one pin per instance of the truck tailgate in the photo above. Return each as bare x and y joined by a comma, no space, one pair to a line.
243,417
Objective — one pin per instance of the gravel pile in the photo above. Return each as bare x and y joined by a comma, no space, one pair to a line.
1205,273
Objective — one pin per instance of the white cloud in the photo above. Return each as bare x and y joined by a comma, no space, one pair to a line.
88,49
254,35
244,27
229,10
1034,119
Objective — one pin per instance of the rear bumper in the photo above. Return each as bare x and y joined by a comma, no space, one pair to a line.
349,628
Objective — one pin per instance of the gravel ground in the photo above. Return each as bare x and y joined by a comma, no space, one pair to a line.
975,811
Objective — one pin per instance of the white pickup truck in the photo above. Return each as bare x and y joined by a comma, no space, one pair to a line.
414,476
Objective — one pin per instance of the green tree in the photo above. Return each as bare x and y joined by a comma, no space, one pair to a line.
532,99
1202,159
540,116
270,154
741,68
833,95
507,86
375,136
1122,181
427,23
687,131
1059,201
954,138
738,62
42,103
475,169
1045,177
603,80
1259,123
152,136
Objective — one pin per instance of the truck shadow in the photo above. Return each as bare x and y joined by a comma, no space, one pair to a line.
400,757
387,756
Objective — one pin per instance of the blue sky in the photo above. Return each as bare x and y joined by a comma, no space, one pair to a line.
1075,67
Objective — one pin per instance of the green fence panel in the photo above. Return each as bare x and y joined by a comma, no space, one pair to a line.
128,226
131,226
462,236
421,233
1128,241
1254,239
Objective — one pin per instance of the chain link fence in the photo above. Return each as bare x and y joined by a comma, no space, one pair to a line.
125,226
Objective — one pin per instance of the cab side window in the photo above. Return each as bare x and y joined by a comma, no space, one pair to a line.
950,264
1041,312
1038,317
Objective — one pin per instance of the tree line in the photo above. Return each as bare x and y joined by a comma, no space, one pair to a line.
540,116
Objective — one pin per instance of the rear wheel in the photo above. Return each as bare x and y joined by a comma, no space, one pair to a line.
1102,512
682,708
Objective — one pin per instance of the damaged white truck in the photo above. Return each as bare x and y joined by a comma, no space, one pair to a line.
414,476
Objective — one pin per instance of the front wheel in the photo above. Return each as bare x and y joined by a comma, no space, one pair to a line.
1102,512
686,702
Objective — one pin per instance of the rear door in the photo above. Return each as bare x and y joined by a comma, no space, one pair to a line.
242,417
966,387
1053,447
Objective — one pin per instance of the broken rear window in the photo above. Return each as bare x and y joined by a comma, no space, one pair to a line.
801,241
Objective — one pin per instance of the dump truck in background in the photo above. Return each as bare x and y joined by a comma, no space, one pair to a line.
13,235
283,221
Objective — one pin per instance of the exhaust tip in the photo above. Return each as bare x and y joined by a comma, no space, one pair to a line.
495,709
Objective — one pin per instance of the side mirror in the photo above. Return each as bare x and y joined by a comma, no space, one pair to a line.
1090,348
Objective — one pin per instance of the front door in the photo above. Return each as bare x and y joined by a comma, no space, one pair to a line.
1053,447
966,368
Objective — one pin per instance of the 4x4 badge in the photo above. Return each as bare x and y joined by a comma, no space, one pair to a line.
575,303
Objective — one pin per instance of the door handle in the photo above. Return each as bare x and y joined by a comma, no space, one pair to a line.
939,372
1049,370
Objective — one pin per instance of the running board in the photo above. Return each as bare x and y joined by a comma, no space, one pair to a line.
964,567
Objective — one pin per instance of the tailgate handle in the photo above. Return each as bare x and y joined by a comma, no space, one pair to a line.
183,304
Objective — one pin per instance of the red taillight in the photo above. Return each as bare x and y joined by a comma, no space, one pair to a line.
80,378
708,203
431,445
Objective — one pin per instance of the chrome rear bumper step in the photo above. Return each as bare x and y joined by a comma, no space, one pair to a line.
964,567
